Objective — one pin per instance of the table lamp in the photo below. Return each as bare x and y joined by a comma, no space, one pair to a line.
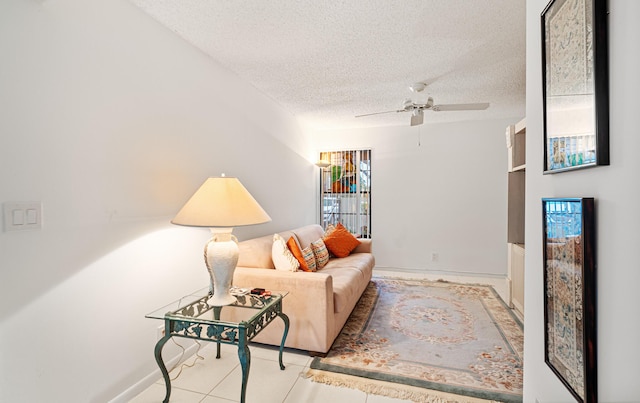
221,203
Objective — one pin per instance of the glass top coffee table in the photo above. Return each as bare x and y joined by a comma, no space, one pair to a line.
191,317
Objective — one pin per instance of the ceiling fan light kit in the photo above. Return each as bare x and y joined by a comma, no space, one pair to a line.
417,117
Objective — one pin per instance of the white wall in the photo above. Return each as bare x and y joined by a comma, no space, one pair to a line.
112,122
617,218
435,188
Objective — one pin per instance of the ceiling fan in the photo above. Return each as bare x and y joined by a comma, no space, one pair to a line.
417,109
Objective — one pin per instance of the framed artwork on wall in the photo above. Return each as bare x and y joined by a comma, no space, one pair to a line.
570,294
575,77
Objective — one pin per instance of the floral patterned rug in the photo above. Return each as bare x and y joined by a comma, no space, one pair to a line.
428,341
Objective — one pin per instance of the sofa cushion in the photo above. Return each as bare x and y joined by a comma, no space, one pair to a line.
282,257
308,234
340,242
253,253
256,252
347,285
320,252
362,262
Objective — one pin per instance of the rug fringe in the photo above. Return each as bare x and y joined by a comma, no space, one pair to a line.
388,389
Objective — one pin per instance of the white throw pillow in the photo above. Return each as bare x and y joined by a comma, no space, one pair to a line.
282,257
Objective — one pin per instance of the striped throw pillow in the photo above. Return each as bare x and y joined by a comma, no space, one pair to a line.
309,258
320,252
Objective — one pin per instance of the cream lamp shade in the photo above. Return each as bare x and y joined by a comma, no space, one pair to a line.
221,203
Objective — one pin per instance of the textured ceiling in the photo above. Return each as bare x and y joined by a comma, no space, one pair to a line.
327,61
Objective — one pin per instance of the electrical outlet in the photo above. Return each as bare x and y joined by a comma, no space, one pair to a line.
434,256
160,332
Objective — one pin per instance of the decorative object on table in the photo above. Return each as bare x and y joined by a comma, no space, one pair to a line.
238,292
221,203
427,340
575,76
570,294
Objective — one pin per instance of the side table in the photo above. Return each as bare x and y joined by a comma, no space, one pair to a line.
191,317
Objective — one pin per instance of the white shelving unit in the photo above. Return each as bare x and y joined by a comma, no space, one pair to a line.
516,136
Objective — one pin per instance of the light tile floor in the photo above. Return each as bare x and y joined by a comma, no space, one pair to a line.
218,380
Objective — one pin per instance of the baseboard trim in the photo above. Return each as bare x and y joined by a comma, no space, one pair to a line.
430,272
144,383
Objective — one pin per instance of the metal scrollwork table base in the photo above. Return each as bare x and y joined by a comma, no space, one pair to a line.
191,317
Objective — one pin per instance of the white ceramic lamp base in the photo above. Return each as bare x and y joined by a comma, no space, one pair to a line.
221,254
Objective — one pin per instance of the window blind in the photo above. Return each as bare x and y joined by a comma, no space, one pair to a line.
345,190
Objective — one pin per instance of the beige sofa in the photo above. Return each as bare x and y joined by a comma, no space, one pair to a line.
318,303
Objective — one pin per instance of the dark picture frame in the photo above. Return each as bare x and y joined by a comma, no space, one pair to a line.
575,80
570,294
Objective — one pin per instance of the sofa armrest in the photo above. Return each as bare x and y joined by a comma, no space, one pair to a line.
364,247
309,305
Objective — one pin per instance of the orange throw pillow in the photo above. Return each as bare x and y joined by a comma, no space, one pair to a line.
340,242
295,249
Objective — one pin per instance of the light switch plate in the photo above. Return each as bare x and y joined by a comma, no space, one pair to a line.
19,216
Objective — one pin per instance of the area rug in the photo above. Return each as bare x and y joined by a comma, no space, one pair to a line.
428,342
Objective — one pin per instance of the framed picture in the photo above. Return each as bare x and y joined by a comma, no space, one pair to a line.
575,77
570,294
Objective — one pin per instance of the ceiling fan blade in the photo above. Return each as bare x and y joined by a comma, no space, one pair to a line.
378,113
460,107
417,118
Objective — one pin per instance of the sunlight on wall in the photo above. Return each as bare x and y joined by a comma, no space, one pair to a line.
106,302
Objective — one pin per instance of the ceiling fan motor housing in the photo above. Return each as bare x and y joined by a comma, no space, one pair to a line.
421,107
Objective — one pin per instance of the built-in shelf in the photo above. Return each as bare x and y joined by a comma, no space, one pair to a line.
516,145
516,137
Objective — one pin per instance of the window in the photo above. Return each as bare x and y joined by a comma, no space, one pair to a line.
345,190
